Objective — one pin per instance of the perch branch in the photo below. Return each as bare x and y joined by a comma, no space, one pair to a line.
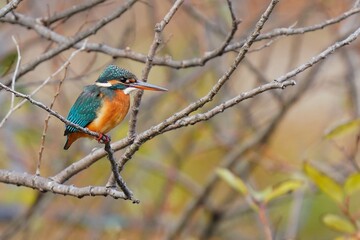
46,184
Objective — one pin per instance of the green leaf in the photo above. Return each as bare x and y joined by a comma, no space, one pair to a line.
325,183
233,180
343,129
7,63
338,223
352,184
281,189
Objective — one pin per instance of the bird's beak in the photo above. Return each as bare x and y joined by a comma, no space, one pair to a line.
146,86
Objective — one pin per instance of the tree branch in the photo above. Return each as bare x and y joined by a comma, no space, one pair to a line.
69,12
46,184
114,167
9,7
330,50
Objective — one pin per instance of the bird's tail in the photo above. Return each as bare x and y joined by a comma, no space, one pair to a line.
67,144
72,137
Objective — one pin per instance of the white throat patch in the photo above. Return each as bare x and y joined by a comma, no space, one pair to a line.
103,84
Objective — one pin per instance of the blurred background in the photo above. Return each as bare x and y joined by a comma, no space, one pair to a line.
268,137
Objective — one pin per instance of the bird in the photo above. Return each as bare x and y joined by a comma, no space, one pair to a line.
103,105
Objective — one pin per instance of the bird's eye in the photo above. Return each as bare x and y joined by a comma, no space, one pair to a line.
122,79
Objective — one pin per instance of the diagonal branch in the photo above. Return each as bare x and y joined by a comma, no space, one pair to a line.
9,7
191,120
69,12
330,50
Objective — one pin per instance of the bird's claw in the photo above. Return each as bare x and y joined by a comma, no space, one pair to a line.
103,138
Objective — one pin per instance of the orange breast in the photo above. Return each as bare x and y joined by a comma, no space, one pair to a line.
111,113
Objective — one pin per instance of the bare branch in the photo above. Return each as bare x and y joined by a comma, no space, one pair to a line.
46,184
46,121
69,12
13,83
315,27
191,120
9,7
114,167
321,56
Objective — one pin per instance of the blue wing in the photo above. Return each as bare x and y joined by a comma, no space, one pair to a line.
85,108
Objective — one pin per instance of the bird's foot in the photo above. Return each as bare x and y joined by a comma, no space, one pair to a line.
103,138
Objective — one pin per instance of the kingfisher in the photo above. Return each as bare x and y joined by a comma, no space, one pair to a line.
102,106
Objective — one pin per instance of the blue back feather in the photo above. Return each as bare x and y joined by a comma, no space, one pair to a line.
84,110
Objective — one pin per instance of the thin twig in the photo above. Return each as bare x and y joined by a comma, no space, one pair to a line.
328,51
16,70
64,66
191,120
69,12
13,82
119,180
46,122
265,222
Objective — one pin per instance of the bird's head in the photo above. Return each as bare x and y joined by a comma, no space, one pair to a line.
118,78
